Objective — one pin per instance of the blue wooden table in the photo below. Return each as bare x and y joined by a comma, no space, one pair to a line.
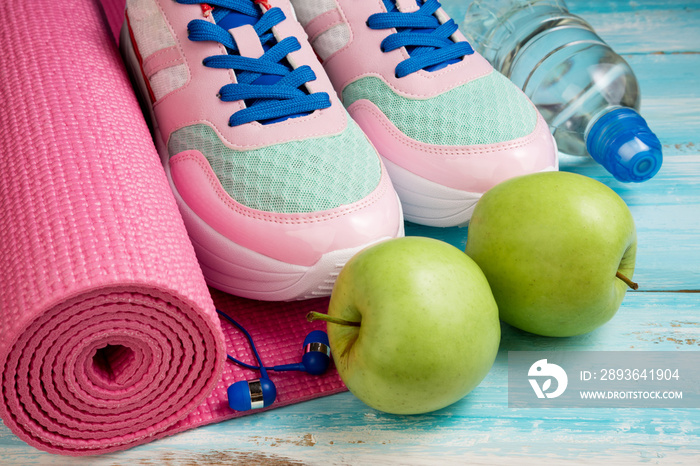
661,41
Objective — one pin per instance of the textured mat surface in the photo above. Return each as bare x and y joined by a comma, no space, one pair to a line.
279,330
108,333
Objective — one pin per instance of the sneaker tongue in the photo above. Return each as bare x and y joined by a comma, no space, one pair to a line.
391,7
391,4
235,19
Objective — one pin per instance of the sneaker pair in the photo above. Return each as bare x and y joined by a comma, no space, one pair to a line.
277,184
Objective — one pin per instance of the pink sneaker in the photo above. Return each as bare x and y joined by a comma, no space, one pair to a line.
277,186
447,125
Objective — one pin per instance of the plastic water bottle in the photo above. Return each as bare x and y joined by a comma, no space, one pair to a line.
585,91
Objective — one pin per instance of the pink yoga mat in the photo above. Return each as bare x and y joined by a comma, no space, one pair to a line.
108,333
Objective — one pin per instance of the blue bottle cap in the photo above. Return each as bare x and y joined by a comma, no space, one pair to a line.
622,142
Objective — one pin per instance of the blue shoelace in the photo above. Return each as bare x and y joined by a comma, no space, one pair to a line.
426,40
272,90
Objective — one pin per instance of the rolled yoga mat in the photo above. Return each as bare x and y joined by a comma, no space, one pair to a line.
108,333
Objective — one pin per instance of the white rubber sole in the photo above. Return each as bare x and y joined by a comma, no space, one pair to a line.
230,267
428,203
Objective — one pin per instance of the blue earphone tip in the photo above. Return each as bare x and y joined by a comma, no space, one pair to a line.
269,392
251,394
239,396
317,336
317,353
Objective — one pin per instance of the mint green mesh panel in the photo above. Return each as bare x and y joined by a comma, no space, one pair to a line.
294,177
487,110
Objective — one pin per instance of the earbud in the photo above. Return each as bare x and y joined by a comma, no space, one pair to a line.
317,353
251,394
316,358
261,393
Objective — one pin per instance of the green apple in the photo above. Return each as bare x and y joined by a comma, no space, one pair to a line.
558,250
412,325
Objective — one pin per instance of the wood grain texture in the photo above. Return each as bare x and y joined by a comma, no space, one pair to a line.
661,41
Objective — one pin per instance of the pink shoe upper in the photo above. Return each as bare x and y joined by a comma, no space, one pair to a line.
362,56
473,168
189,104
204,181
457,162
295,238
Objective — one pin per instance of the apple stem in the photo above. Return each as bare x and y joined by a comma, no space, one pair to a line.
629,282
313,316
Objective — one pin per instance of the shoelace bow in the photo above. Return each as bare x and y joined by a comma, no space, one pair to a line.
265,101
427,41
